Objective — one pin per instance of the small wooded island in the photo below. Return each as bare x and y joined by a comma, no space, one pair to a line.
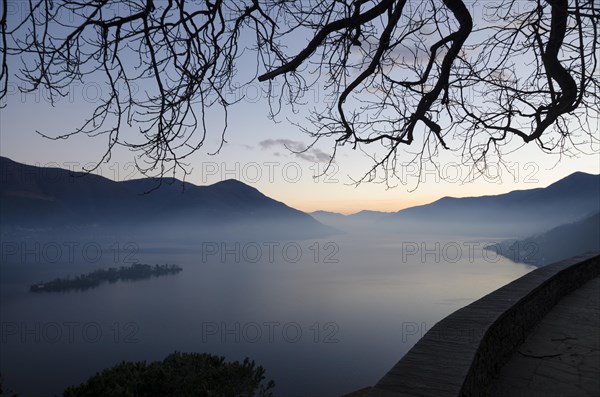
136,271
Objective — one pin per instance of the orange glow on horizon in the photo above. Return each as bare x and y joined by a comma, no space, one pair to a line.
354,206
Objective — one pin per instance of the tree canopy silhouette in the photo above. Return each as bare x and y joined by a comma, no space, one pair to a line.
178,375
432,74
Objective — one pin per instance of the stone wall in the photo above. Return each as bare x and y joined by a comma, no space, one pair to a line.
462,352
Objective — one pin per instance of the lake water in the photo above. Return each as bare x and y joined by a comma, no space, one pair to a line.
323,317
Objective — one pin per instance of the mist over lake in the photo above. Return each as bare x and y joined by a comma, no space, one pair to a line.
324,321
95,272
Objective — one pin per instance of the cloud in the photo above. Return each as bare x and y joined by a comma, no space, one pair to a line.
298,148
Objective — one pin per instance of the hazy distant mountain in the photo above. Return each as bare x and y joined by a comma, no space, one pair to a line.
327,215
365,218
562,242
368,215
516,214
57,199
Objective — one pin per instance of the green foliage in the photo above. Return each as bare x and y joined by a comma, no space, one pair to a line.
178,375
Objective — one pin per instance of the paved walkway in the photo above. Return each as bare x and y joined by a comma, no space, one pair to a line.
561,356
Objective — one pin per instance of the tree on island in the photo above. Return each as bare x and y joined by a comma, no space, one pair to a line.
178,375
435,74
137,271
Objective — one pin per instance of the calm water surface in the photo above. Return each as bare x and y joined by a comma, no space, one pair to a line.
325,321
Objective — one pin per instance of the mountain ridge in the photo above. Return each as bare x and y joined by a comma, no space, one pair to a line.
49,197
517,213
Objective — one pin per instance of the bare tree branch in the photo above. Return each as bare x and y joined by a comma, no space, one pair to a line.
399,72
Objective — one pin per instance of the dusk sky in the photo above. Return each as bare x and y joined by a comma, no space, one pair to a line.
256,152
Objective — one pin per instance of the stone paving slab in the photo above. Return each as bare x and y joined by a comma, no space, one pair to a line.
561,356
